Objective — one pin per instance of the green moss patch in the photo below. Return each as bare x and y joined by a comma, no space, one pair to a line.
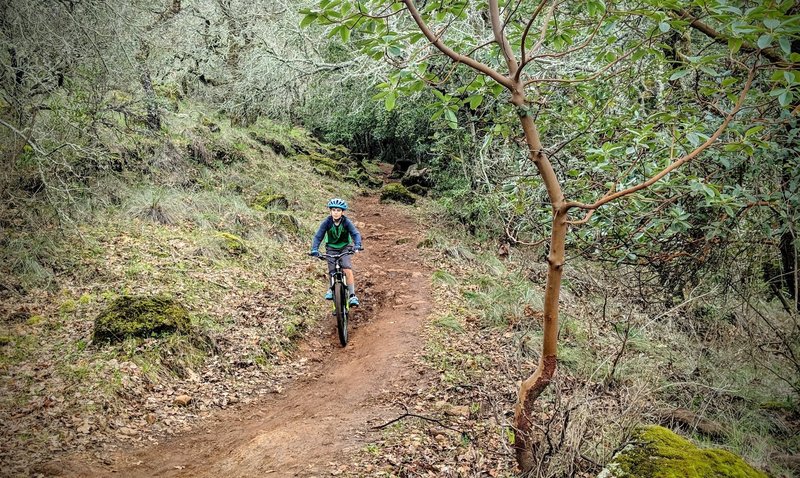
334,161
397,192
362,178
323,161
657,452
140,316
232,243
268,200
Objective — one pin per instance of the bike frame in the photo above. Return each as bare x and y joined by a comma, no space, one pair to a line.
341,303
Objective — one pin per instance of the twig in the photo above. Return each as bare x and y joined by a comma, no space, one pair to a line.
409,414
516,241
27,139
620,353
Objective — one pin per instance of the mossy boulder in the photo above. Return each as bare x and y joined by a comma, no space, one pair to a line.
321,161
269,200
140,316
656,452
397,192
416,176
278,144
364,179
418,190
335,161
212,126
284,221
232,243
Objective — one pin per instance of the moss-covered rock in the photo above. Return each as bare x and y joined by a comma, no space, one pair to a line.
278,144
232,243
397,192
338,149
657,452
371,181
418,190
321,161
417,176
326,171
212,126
284,221
140,316
269,200
224,152
363,179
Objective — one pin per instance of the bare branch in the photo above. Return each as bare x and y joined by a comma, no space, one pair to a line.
527,29
515,240
770,53
27,138
409,414
543,32
571,50
588,78
438,43
501,39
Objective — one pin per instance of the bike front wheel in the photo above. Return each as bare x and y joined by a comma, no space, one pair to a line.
340,303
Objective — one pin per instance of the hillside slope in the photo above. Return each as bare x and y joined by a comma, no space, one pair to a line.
215,216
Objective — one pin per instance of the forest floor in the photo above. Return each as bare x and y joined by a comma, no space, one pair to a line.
334,408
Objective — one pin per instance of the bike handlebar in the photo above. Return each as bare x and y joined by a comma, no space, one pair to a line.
325,255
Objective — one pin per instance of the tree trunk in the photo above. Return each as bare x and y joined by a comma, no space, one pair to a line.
151,102
524,441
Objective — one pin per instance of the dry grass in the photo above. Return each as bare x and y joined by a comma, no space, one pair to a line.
624,360
161,230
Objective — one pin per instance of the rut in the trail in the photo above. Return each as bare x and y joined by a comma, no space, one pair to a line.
327,414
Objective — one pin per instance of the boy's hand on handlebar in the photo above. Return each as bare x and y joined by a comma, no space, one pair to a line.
314,253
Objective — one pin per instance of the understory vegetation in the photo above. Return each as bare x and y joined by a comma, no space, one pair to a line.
627,359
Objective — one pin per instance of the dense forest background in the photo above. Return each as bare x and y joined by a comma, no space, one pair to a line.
192,117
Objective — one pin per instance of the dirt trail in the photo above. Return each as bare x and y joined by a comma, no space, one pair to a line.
309,428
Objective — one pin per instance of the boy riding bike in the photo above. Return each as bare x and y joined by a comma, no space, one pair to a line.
338,231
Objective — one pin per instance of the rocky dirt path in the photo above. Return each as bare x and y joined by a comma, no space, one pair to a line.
310,428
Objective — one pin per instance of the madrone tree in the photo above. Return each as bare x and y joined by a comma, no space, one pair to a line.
551,55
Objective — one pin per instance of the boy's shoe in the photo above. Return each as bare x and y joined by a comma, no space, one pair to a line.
353,300
329,295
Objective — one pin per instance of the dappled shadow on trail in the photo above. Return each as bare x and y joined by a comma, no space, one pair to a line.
309,428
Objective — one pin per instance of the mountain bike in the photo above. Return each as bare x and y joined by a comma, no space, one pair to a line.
341,303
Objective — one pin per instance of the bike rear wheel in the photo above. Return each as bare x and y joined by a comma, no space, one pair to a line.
340,303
